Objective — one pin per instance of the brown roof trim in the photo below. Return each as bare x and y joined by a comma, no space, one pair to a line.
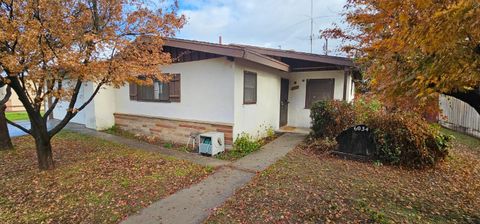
227,50
300,55
265,60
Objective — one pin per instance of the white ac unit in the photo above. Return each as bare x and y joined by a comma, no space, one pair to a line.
211,143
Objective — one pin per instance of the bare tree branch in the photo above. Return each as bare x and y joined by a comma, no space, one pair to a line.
92,96
19,127
54,104
24,87
70,114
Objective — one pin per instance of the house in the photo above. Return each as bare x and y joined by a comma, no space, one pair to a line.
226,88
13,104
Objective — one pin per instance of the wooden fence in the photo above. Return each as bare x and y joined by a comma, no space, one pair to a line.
459,116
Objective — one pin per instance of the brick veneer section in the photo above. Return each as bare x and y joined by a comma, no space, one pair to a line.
170,129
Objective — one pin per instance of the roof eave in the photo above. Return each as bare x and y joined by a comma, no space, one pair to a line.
229,51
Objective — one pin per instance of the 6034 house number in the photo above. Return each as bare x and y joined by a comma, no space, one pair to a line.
361,128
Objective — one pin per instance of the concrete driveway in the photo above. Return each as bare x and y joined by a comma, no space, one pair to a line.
15,132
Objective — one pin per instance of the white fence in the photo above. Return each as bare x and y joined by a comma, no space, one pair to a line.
459,116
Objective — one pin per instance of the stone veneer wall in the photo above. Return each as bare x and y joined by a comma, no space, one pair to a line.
170,129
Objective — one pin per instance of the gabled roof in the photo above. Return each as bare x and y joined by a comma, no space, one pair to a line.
279,59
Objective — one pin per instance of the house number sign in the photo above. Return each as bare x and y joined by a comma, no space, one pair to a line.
361,128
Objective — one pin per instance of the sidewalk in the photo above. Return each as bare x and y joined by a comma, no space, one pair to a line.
194,204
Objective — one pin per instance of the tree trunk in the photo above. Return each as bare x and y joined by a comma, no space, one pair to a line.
44,149
5,141
471,97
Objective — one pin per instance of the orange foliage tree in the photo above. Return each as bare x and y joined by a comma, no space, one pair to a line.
413,50
44,43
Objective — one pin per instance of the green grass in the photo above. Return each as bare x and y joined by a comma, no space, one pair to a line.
18,116
470,141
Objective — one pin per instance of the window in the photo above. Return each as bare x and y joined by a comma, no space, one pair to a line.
249,87
318,90
158,92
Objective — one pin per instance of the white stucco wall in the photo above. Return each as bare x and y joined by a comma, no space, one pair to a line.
206,94
298,116
103,109
266,112
98,114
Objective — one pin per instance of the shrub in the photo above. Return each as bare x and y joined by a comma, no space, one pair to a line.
320,146
246,143
402,138
407,139
364,107
330,118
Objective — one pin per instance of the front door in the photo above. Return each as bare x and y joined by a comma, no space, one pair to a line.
284,103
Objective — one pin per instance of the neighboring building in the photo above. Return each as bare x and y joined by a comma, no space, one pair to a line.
13,104
458,115
226,88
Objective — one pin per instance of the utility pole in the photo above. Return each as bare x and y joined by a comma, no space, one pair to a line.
325,47
311,26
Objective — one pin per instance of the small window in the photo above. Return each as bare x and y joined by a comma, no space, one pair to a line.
319,90
166,91
249,87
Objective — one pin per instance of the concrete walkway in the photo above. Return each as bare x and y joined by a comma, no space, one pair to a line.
194,204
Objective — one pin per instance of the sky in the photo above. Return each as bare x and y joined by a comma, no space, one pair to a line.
277,24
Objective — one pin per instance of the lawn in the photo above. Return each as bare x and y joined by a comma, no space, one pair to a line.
306,187
95,181
17,116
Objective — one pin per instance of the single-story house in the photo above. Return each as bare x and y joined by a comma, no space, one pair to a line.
225,88
13,104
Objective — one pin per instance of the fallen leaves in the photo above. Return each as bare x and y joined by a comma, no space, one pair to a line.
95,181
310,188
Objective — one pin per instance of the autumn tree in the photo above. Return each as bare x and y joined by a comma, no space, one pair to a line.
416,49
5,140
44,43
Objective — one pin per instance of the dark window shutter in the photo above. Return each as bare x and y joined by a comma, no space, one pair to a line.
174,87
133,91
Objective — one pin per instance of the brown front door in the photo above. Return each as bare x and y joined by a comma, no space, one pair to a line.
284,103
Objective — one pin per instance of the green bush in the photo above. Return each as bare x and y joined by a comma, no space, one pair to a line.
407,139
364,107
402,138
330,118
245,143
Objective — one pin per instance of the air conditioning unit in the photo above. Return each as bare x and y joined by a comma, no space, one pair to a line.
211,143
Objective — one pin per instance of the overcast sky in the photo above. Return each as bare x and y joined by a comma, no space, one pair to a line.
269,23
